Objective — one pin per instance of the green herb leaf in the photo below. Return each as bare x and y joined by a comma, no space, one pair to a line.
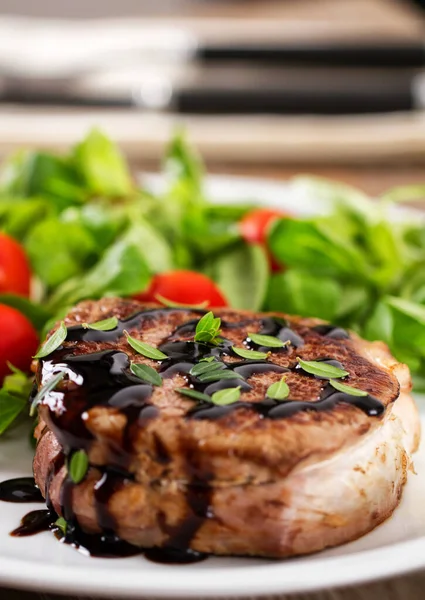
48,387
53,342
194,394
227,396
207,329
207,367
78,466
62,525
347,389
146,373
145,349
173,304
208,359
322,369
268,341
250,354
104,325
219,375
278,390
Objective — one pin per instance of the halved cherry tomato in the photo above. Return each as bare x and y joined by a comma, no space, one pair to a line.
183,287
254,228
18,340
15,274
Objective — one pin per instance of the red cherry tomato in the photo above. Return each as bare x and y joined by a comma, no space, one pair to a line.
254,228
18,340
15,274
183,287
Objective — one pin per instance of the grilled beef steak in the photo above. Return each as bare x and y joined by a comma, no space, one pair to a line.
261,476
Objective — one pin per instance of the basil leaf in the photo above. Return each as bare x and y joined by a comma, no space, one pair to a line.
10,408
173,304
207,328
347,389
48,387
62,525
278,390
249,354
194,394
78,466
146,373
206,367
322,369
145,349
208,359
53,342
104,325
268,341
218,376
227,396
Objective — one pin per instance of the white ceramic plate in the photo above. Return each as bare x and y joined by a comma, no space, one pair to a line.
41,563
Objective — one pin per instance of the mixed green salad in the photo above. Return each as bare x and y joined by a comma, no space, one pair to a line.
89,230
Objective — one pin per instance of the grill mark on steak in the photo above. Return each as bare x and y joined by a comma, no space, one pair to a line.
103,378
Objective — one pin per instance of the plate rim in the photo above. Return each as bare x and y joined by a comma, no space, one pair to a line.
260,581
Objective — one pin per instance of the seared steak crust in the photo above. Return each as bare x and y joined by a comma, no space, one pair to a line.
243,458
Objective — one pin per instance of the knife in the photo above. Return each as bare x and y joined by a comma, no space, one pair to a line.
231,90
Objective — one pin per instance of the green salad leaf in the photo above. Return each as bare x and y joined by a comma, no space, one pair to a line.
102,166
242,274
59,251
11,407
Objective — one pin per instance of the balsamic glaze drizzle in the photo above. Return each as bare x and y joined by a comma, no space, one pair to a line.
34,522
104,378
20,490
104,545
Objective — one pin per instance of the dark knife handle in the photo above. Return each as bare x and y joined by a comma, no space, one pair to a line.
328,55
